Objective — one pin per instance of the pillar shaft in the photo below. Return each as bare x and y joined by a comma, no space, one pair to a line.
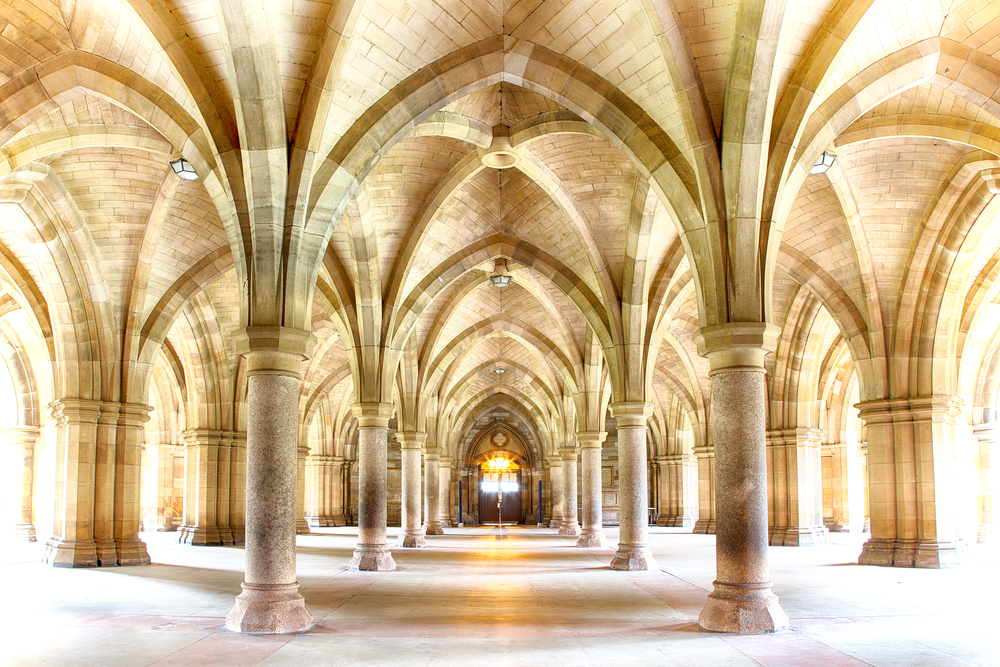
795,487
554,468
270,602
570,524
301,525
705,525
372,552
633,496
986,435
742,600
412,533
130,550
592,533
451,513
23,439
432,495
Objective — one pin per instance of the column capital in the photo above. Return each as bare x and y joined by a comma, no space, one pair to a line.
588,439
935,407
274,350
737,346
373,415
411,440
631,414
568,453
23,435
66,410
432,456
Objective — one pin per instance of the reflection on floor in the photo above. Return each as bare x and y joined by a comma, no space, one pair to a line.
476,596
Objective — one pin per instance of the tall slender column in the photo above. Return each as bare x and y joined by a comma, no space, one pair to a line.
238,486
592,534
444,494
742,600
301,525
795,484
270,602
570,524
201,468
130,550
412,533
335,471
665,491
705,525
554,468
986,434
432,494
633,496
22,439
372,552
72,543
104,485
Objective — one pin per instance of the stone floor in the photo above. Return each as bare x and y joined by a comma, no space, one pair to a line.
476,596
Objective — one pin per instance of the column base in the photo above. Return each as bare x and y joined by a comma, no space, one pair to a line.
67,553
23,532
589,539
411,540
372,558
132,552
633,557
939,555
571,528
239,534
269,609
107,553
555,524
682,522
878,552
704,527
199,536
799,537
747,609
433,528
302,527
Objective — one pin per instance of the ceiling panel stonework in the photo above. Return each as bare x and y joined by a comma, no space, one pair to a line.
648,174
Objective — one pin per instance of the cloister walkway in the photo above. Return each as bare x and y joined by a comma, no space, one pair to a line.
479,596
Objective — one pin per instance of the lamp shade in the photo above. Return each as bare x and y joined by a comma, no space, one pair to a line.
184,170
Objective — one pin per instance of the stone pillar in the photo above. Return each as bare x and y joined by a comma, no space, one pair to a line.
334,472
592,534
705,525
23,439
237,491
444,494
911,481
372,552
678,481
986,434
201,488
570,524
432,494
554,468
633,488
72,543
104,485
742,600
130,550
301,525
270,602
412,533
795,487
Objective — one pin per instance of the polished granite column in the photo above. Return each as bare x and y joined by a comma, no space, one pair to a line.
412,533
592,534
570,524
270,602
742,600
372,552
432,495
633,488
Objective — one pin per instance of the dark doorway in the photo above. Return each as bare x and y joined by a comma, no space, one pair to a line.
491,487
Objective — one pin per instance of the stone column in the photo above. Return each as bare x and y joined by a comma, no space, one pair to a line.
986,434
592,534
705,525
432,494
23,439
372,552
104,485
201,488
270,602
554,468
570,524
412,533
664,490
795,484
444,493
301,525
237,492
633,488
72,543
742,600
335,473
130,550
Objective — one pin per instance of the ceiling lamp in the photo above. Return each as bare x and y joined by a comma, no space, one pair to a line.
499,371
824,163
184,170
500,277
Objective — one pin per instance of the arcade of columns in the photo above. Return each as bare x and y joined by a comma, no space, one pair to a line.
753,276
